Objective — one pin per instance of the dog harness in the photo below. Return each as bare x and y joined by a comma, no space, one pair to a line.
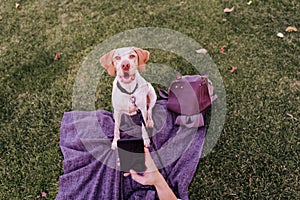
133,99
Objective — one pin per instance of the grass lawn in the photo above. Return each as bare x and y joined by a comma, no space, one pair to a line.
257,155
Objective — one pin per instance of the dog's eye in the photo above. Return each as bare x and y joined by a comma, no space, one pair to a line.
132,56
118,58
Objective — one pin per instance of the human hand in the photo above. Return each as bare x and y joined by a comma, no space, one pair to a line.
151,176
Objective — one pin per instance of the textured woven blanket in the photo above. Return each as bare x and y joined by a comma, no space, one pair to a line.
90,166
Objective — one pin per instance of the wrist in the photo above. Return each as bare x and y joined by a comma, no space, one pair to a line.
160,182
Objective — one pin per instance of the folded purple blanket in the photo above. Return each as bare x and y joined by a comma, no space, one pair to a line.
90,166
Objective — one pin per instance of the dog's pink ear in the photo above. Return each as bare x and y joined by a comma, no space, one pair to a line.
107,62
143,58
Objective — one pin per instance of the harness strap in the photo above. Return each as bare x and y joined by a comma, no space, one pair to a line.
123,90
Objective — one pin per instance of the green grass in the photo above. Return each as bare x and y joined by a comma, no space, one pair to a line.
261,133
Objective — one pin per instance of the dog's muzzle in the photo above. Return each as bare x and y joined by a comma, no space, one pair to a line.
126,77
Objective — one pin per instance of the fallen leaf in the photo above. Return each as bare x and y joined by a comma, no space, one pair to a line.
181,3
18,5
201,51
249,3
233,69
24,95
57,56
250,179
291,29
280,35
222,49
44,194
228,10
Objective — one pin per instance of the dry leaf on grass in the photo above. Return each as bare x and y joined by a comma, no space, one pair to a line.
18,5
280,35
233,69
44,194
222,49
181,3
228,10
250,179
57,56
249,3
26,94
291,29
201,51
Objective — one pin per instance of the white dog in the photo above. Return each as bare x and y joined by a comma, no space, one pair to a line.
131,92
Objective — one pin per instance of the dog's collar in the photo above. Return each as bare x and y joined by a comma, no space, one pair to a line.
124,90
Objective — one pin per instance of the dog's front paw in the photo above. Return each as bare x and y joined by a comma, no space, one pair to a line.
146,142
150,123
114,144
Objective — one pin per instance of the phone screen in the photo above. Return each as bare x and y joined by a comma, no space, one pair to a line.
131,154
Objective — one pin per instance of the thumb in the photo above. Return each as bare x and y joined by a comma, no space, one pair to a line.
138,178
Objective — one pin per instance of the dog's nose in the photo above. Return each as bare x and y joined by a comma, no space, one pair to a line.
125,65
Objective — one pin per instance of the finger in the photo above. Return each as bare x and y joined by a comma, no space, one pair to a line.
132,172
126,174
147,154
151,167
138,178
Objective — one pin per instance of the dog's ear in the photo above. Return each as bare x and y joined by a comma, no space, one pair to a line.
143,57
107,62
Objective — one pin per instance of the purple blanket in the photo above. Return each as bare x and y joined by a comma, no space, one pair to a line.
90,166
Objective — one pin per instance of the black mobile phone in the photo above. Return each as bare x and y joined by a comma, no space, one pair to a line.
131,154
